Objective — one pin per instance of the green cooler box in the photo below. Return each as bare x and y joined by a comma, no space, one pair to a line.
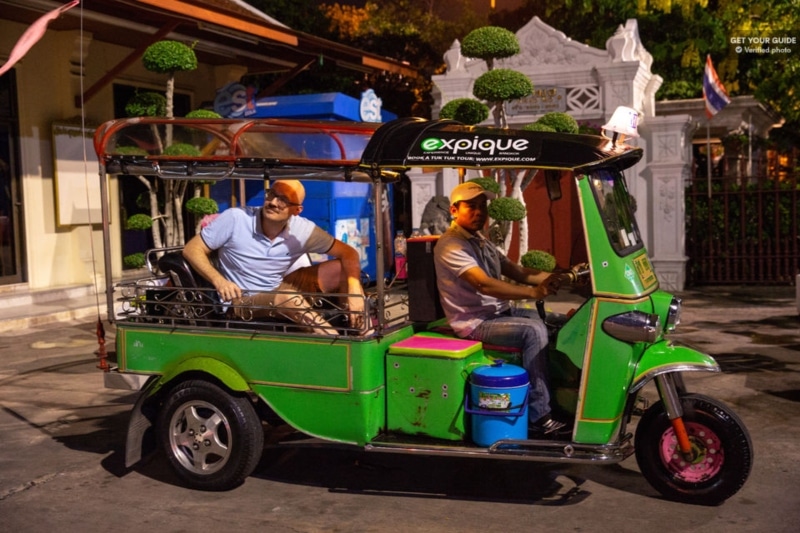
426,381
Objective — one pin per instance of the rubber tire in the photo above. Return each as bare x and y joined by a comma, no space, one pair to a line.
238,437
735,446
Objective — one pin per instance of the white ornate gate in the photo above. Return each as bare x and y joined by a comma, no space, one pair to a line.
589,84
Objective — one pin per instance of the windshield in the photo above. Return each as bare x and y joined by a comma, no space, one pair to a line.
616,209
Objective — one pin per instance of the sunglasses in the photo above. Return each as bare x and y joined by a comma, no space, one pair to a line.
280,200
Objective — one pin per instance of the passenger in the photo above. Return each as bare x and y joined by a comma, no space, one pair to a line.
476,300
256,249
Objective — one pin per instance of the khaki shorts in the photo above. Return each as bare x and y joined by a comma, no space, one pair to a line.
302,280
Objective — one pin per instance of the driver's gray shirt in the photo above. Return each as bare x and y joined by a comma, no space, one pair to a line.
456,252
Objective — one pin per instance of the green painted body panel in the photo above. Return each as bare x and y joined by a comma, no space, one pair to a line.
608,366
426,392
332,389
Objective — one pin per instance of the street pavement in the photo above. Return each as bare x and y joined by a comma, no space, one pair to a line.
62,450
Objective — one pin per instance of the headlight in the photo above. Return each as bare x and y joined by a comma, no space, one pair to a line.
673,315
633,326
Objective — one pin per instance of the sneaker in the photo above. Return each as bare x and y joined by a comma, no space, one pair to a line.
548,427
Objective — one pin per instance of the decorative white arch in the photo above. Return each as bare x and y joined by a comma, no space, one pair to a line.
589,84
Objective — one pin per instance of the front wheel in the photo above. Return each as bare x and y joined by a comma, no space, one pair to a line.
213,440
722,453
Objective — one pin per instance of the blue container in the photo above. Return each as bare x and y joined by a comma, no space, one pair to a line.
498,403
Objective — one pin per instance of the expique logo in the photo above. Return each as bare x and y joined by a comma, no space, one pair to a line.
476,144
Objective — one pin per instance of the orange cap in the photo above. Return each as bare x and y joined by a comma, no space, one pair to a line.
293,190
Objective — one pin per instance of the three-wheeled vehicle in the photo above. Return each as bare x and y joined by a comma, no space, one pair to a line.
209,383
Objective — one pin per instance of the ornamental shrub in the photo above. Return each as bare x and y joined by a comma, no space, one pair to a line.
165,57
134,260
538,126
560,122
147,104
200,206
539,259
490,42
466,110
506,209
181,149
130,150
502,84
203,113
139,221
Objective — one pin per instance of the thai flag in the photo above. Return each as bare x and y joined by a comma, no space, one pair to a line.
714,93
33,34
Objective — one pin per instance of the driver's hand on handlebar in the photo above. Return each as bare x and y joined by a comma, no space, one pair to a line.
228,290
550,285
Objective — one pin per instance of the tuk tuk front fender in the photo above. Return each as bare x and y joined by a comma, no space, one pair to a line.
662,358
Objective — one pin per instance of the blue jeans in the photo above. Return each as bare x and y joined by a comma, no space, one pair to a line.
525,330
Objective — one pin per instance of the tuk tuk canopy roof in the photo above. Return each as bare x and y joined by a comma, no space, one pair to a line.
215,149
410,142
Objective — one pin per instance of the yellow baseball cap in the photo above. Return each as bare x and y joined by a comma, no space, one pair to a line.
468,191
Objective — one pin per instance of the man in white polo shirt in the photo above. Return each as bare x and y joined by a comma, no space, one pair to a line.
257,247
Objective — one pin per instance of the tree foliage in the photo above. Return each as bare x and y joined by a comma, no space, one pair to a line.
146,104
539,260
405,30
466,110
502,84
167,57
163,198
679,34
558,121
490,43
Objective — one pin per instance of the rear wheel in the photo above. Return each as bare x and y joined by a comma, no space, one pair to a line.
721,458
213,440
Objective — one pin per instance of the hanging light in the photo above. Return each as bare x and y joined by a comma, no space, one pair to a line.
624,121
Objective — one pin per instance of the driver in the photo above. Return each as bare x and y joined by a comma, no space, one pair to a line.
257,248
476,300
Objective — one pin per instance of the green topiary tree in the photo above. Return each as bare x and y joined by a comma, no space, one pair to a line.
203,113
502,84
200,206
497,86
539,259
504,211
169,57
490,43
535,126
466,110
560,122
135,260
165,198
146,104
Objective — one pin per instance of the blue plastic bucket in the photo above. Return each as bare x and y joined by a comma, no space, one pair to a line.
498,403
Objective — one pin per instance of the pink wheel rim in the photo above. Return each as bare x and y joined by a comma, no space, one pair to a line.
706,447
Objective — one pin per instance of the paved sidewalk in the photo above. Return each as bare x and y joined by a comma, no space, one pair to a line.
64,448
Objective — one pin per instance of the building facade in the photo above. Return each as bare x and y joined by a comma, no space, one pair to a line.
79,75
